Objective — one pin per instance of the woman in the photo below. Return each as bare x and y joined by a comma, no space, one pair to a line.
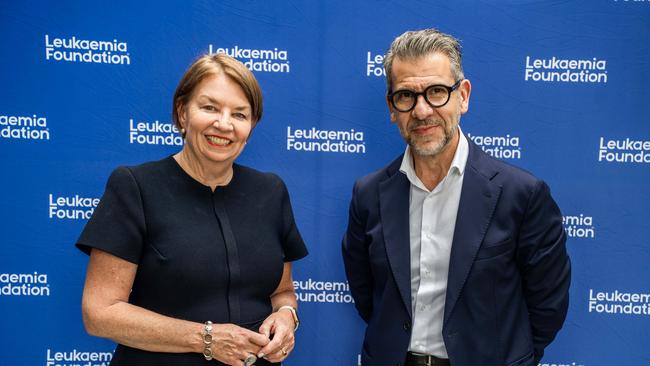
190,256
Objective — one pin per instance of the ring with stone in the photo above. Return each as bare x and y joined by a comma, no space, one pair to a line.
250,360
284,351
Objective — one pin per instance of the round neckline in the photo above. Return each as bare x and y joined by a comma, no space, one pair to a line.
196,182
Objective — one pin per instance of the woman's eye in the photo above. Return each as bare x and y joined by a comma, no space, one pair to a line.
209,108
240,116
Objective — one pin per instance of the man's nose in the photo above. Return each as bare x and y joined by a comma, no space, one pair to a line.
422,108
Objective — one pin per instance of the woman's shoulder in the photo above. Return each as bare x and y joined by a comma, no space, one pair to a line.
147,169
142,175
256,179
165,164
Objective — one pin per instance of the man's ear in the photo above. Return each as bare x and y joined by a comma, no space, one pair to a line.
465,90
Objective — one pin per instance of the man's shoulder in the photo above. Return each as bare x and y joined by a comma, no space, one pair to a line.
517,185
509,171
502,172
373,179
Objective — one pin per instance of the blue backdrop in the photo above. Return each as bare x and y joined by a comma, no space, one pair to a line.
560,88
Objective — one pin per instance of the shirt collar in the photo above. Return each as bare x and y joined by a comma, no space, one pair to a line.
458,163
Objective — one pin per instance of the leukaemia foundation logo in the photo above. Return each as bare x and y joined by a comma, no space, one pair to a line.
375,65
500,147
325,141
24,284
273,60
32,127
554,69
579,226
77,358
310,290
619,302
154,133
73,49
73,207
624,151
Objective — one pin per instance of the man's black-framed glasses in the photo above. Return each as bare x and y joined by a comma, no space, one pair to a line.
404,100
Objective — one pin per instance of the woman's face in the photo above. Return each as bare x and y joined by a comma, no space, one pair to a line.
217,121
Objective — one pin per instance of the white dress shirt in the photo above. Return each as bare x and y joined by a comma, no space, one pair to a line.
432,218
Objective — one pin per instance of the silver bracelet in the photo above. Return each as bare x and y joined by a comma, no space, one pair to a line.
207,340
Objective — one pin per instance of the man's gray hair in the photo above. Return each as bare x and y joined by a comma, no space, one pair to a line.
414,44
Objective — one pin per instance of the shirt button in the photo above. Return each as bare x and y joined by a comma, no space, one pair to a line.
407,326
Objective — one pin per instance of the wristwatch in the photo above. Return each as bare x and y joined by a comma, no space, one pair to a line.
294,314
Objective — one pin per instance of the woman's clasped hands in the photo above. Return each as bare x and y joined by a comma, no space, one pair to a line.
234,345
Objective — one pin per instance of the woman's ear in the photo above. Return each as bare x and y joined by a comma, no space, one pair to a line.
180,114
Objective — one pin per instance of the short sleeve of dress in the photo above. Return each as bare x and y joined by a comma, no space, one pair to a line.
117,225
293,245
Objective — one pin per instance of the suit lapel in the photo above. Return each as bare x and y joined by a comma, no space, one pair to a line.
394,210
478,199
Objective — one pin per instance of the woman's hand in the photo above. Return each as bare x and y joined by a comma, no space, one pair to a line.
231,344
279,328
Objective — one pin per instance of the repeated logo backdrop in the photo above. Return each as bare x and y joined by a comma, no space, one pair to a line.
559,88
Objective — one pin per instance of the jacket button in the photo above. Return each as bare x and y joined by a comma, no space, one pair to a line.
407,326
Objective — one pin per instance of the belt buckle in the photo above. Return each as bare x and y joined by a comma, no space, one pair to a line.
428,360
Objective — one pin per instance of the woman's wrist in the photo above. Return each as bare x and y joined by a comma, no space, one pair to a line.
294,315
206,337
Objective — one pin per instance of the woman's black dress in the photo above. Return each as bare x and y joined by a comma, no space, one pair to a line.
201,255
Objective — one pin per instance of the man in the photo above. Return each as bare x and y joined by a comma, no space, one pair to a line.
453,257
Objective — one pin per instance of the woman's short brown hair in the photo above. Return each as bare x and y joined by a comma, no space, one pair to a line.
213,64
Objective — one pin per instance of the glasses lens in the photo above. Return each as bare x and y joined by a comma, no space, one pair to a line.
403,100
437,95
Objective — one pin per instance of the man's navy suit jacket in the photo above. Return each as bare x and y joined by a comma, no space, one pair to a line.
509,273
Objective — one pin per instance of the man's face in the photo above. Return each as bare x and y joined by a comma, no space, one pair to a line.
426,129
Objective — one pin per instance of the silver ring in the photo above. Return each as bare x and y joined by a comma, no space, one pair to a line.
250,360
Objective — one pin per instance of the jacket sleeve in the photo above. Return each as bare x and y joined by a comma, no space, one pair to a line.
355,257
545,267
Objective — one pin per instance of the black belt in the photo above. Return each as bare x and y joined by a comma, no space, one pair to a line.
419,359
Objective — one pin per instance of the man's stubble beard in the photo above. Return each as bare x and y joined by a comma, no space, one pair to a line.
439,146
